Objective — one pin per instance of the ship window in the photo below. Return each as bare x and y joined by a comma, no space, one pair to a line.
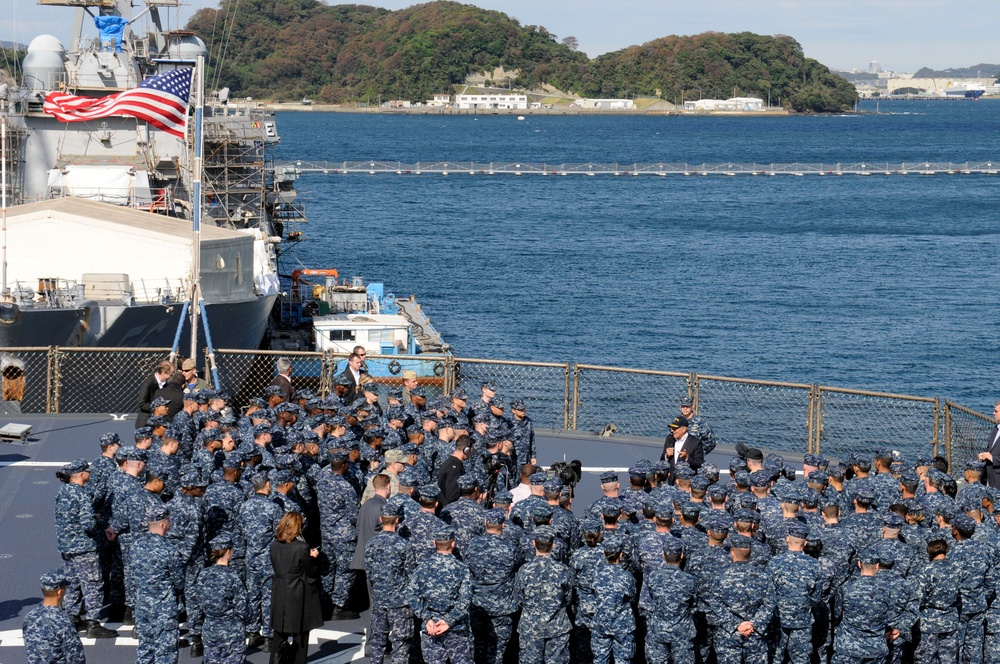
239,268
380,335
341,335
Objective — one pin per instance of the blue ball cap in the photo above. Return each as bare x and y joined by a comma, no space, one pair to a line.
672,546
742,542
975,465
541,511
609,477
591,526
490,385
390,509
690,510
494,517
233,460
75,467
445,534
143,432
409,478
261,429
613,544
799,530
159,401
131,453
687,401
467,483
544,535
109,439
611,509
760,478
221,542
553,485
54,580
683,471
503,498
868,556
819,477
699,483
157,513
893,520
158,421
538,479
429,491
460,394
338,456
419,391
964,523
517,404
746,515
283,476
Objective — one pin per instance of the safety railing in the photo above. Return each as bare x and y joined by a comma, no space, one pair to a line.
779,416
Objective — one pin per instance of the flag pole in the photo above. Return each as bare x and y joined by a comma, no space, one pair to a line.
3,203
199,109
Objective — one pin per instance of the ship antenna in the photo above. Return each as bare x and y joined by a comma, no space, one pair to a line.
199,110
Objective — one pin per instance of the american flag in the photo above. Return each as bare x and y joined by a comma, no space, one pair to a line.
162,101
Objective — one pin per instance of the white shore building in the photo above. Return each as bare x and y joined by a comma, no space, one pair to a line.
511,100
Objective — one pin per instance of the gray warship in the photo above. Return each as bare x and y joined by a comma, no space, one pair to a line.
97,246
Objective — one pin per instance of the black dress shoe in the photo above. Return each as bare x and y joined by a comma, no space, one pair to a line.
343,614
255,640
96,630
79,624
197,647
128,618
267,645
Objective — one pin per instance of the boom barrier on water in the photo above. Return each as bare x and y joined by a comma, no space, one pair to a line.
660,169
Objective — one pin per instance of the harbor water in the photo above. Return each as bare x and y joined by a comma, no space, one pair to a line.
884,282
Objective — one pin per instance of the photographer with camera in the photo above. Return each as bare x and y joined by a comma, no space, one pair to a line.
453,468
496,467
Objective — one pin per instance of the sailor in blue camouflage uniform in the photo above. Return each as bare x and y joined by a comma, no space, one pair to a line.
972,560
159,578
128,519
991,648
49,634
544,587
862,615
523,434
419,528
389,561
520,513
404,501
939,590
882,483
541,515
743,607
465,515
221,505
609,485
902,601
581,563
613,625
670,593
493,564
258,520
797,583
440,594
338,514
76,537
221,594
187,533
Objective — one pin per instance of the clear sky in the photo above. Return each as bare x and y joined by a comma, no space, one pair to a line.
902,35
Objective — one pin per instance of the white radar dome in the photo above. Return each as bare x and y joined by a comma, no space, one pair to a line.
44,64
186,47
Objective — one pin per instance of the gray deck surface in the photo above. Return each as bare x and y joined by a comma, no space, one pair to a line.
27,532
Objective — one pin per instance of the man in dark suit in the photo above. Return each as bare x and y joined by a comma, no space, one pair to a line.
992,454
284,378
682,446
350,377
147,391
370,525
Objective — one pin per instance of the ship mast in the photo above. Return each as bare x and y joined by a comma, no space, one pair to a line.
3,186
199,110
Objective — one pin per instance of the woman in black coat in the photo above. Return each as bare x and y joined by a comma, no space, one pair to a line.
295,605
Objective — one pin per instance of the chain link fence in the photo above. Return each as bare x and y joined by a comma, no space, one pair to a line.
787,417
860,421
966,432
245,374
26,379
545,387
626,401
101,380
770,415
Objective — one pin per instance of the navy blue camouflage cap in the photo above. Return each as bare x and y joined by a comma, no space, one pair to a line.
544,535
538,478
396,413
446,422
221,542
494,517
663,508
715,491
210,394
261,429
490,385
248,451
661,466
339,421
460,394
815,460
760,478
339,456
266,414
964,523
566,493
75,467
419,391
975,465
865,496
444,534
868,556
54,580
687,401
158,421
742,542
690,510
283,477
228,421
142,433
211,415
109,439
699,483
273,391
683,471
304,394
503,498
923,461
157,513
429,491
611,509
819,477
552,485
612,544
893,521
636,472
945,509
482,418
736,464
259,480
390,509
233,460
226,396
191,396
809,498
410,478
193,477
815,536
370,387
131,453
609,477
159,401
496,436
541,511
836,471
591,526
915,507
886,554
498,401
517,404
286,407
673,546
742,479
883,453
257,401
716,521
799,530
939,535
745,515
709,471
467,483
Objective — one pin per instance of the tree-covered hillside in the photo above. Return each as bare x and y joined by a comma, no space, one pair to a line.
295,48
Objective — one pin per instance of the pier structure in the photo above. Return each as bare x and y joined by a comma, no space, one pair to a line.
660,169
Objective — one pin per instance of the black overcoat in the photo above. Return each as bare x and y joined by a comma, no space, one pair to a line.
295,605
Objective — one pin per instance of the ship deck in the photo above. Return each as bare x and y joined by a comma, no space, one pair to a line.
27,535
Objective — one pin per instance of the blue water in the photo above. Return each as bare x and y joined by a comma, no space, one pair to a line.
883,283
